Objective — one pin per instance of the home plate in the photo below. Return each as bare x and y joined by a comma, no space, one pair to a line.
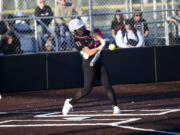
76,118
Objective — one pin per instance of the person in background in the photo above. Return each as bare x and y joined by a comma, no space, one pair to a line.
117,23
129,37
11,44
22,27
43,10
21,24
175,19
138,22
62,30
84,43
50,43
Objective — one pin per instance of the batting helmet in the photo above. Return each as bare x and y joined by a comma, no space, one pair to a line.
75,24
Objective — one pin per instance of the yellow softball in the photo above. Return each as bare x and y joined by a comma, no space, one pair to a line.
112,47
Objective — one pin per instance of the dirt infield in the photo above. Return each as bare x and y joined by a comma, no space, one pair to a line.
147,109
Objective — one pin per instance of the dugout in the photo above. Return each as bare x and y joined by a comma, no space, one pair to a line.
63,69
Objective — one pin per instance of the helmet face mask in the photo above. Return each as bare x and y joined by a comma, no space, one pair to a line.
80,31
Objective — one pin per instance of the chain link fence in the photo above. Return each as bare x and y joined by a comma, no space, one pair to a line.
23,32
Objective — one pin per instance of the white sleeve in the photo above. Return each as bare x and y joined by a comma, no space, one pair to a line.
85,55
141,39
120,40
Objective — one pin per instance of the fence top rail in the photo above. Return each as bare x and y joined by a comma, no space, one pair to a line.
94,14
101,7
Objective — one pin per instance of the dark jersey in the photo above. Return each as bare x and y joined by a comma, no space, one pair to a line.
45,12
11,48
137,25
83,41
117,26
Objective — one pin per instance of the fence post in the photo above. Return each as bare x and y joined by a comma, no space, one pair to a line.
173,7
166,24
142,5
127,8
1,6
36,34
90,15
55,3
131,8
155,19
16,5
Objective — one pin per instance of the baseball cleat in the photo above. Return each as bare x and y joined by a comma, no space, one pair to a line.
67,107
116,110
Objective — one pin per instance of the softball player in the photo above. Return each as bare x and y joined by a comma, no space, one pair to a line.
84,42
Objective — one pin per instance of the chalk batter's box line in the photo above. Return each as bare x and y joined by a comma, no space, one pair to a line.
160,112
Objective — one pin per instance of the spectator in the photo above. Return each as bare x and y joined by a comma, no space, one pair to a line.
50,43
117,23
24,31
11,44
129,37
43,10
21,24
62,30
175,39
139,23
